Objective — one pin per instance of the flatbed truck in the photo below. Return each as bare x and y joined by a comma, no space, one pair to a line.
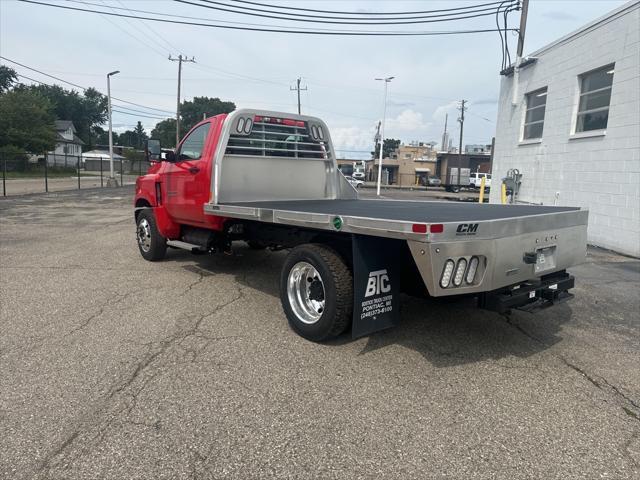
270,179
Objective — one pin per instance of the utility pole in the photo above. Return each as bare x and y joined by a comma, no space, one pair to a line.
521,32
386,81
297,88
111,182
180,60
376,142
462,109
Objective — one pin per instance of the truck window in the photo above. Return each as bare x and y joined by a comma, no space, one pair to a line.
192,146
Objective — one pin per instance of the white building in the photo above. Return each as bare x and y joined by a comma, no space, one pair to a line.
572,127
68,149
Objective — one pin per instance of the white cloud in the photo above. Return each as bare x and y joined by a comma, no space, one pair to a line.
442,110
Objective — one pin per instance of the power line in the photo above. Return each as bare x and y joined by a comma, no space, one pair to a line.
210,4
127,32
148,27
145,114
80,86
360,13
278,29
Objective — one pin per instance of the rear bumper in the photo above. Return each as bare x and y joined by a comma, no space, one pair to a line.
531,295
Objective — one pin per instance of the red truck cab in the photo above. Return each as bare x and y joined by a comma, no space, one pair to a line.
177,189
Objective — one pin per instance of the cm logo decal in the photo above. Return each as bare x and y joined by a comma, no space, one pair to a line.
467,229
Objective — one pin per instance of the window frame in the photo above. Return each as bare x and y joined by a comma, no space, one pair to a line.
204,143
580,94
527,109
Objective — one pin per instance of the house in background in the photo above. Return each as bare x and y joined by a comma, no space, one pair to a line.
571,126
68,151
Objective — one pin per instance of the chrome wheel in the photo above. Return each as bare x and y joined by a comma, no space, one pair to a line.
305,291
144,235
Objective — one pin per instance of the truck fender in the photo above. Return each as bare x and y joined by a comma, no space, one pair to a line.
166,226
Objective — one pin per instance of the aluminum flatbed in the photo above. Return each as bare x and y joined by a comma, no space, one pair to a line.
408,211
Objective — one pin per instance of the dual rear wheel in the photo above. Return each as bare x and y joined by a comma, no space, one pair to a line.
316,285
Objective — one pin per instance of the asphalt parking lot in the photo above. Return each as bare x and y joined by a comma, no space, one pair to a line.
112,367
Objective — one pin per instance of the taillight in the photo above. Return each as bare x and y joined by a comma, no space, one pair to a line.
445,279
460,269
473,268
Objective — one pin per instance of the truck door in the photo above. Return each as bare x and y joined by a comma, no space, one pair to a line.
188,178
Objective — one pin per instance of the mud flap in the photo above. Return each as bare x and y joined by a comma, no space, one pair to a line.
376,284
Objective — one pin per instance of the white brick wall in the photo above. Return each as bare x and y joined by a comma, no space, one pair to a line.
600,173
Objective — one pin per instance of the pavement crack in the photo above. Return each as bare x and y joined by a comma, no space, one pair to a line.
630,406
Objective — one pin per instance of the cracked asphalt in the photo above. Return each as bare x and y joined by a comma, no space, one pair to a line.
115,368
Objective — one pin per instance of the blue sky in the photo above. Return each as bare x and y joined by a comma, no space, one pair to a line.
255,69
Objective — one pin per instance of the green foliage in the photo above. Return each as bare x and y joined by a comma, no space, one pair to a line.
165,131
8,77
191,112
26,122
133,138
84,110
389,146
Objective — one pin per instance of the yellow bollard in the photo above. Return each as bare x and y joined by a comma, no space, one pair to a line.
481,197
504,194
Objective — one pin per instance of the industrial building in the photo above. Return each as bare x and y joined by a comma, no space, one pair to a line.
570,124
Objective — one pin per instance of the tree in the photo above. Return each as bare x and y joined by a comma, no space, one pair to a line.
390,145
8,77
100,136
26,122
165,131
84,110
140,135
191,112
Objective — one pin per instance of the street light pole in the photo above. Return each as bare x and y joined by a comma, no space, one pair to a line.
111,182
386,81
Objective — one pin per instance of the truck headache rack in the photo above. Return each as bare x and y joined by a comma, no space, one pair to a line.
277,137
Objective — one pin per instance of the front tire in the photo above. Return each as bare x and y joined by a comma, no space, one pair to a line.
151,244
316,291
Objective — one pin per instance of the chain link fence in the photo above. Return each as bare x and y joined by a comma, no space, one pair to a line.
24,173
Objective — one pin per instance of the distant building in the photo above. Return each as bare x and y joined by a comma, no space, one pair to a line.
574,129
68,145
477,148
408,165
98,160
475,162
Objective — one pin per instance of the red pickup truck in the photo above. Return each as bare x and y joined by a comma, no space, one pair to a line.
271,180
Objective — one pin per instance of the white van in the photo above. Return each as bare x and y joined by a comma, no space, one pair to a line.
476,178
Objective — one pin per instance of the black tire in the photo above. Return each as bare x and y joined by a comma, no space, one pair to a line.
338,292
157,245
256,245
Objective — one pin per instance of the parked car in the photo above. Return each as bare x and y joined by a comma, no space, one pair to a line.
354,181
475,179
434,182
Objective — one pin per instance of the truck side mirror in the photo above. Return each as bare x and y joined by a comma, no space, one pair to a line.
170,156
152,150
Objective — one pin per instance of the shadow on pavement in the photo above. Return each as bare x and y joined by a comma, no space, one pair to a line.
445,332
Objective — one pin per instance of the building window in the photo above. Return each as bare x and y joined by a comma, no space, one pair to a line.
595,96
534,118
